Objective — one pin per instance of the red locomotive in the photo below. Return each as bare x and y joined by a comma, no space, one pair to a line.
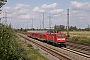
58,39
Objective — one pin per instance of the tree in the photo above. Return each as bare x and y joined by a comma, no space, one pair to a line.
71,28
2,2
62,27
59,28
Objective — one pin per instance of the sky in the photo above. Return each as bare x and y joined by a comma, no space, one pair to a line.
29,13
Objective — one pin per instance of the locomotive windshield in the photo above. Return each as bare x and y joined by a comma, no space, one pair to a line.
61,36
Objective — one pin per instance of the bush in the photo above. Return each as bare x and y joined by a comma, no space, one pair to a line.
75,38
8,46
82,40
68,36
29,45
87,42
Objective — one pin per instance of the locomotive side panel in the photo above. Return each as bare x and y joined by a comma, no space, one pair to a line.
51,37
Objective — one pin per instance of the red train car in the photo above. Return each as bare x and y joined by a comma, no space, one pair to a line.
58,39
32,34
41,35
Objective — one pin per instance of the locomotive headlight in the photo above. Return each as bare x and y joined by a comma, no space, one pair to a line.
58,39
63,38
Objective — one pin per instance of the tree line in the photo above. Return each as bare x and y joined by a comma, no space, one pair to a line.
58,28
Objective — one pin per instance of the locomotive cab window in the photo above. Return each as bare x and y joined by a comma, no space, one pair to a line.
61,36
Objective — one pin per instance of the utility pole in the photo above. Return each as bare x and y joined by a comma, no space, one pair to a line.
6,18
27,25
0,13
3,18
23,26
40,25
0,20
68,23
50,22
32,23
43,19
2,2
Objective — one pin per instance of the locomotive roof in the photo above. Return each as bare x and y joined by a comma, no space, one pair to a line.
57,33
45,32
37,31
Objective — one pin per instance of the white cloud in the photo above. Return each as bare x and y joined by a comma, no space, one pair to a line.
49,6
56,11
18,11
7,8
57,15
79,9
24,11
12,14
37,9
79,13
24,16
79,5
75,11
18,14
20,6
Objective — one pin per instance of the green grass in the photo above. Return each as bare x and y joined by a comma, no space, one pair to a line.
80,33
82,37
31,53
34,54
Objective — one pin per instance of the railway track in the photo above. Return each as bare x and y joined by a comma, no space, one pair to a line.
70,52
79,48
49,50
